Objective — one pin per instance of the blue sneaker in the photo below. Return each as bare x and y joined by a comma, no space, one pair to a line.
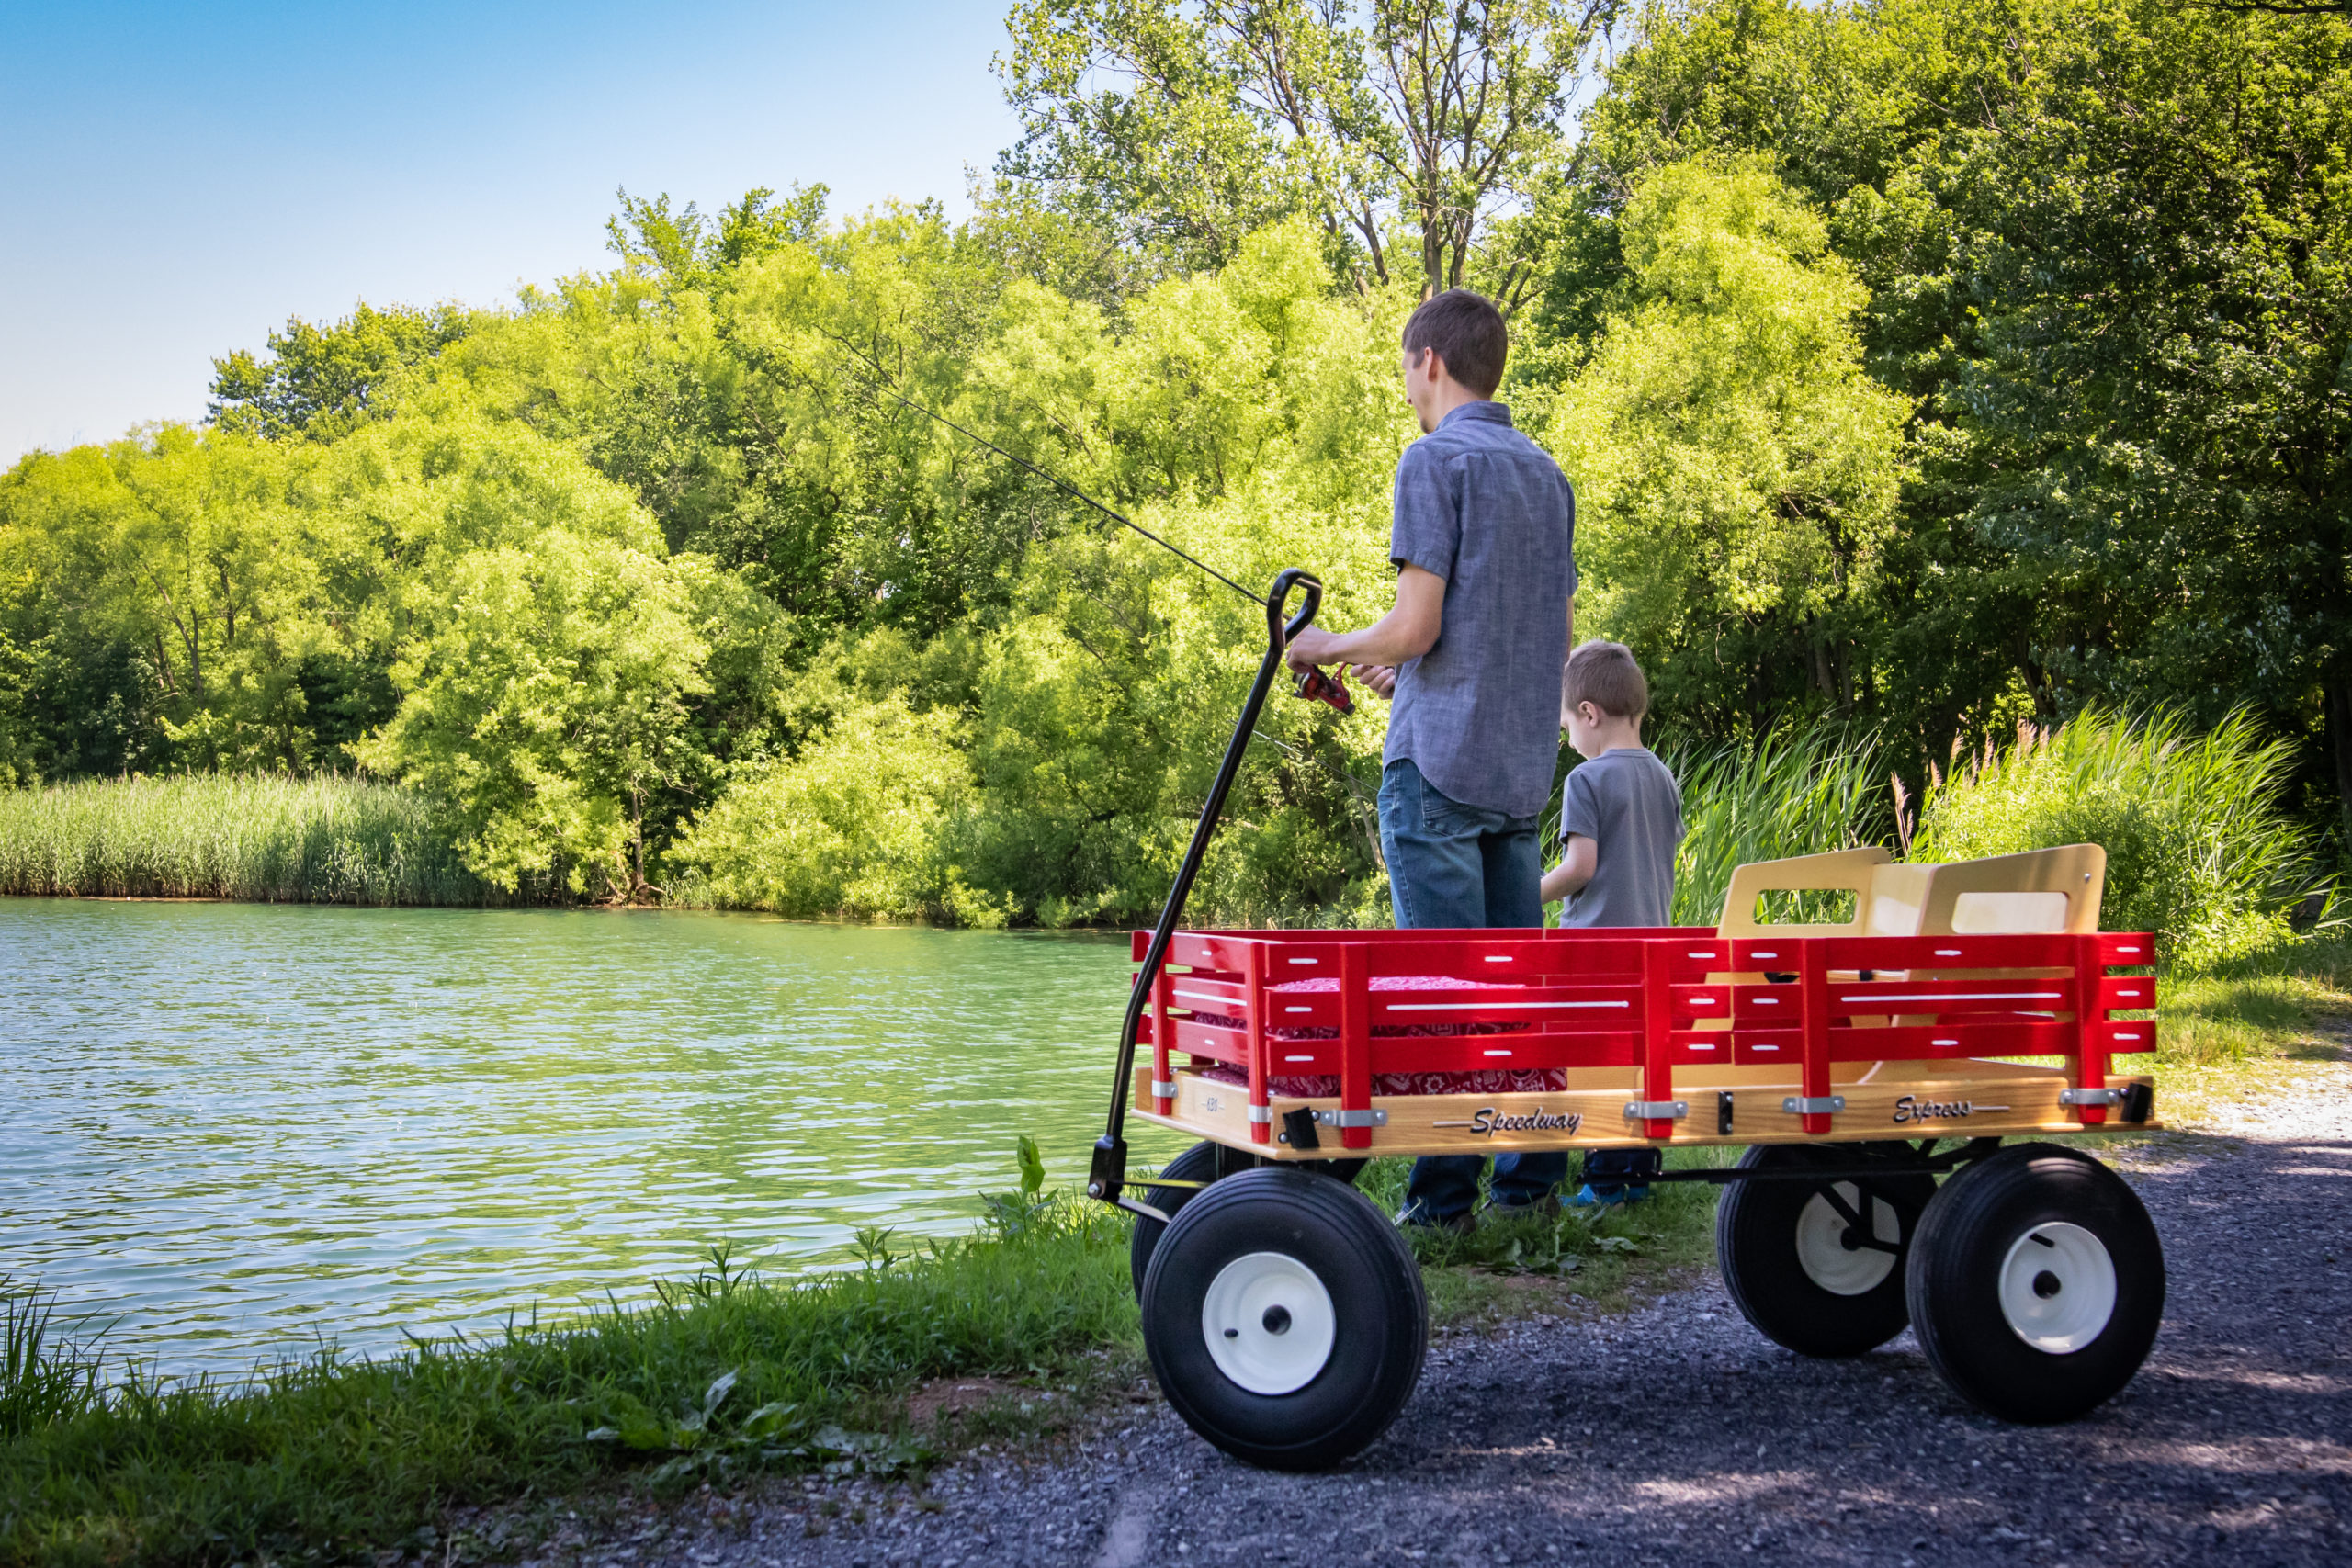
1587,1198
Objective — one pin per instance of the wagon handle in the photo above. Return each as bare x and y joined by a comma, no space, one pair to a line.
1108,1173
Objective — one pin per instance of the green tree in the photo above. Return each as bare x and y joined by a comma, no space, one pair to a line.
548,703
1737,472
2113,271
320,380
184,553
1195,126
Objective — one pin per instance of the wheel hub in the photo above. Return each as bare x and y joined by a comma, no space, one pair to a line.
2058,1287
1268,1322
1834,1256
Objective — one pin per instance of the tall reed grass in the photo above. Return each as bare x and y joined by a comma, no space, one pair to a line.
2199,848
266,838
1793,792
44,1375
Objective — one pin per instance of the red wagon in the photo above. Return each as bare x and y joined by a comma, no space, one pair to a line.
1872,1076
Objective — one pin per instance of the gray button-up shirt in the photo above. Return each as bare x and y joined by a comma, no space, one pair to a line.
1487,509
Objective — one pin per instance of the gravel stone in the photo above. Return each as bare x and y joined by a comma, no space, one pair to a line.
1676,1434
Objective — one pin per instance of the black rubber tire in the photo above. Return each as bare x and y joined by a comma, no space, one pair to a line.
1200,1163
1758,1230
1195,1164
1954,1277
1380,1316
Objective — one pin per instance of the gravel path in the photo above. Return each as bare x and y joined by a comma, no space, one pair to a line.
1676,1434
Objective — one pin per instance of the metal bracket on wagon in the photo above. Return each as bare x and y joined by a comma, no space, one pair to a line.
1656,1109
1352,1118
1813,1104
2090,1096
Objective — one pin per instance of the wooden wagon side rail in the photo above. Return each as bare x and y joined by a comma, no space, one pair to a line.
1655,1003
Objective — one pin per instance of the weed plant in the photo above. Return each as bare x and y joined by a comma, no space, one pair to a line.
2199,850
263,837
45,1376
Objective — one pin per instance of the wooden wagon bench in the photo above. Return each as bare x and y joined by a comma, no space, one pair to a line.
1872,1066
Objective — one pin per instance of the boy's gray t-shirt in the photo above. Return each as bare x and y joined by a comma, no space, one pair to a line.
1627,803
1485,508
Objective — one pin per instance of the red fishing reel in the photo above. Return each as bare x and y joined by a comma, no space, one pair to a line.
1316,686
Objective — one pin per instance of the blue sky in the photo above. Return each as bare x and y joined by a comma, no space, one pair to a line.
176,180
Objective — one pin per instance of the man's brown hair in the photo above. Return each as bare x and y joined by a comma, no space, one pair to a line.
1604,675
1468,333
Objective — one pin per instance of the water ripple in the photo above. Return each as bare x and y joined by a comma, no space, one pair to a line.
238,1129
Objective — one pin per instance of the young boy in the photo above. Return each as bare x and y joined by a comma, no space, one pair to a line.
1621,821
1471,657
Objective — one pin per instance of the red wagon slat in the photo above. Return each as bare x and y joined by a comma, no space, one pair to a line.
1354,1011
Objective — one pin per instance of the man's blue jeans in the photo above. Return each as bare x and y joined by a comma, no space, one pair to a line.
1456,865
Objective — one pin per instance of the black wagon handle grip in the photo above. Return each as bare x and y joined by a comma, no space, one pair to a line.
1108,1172
1279,595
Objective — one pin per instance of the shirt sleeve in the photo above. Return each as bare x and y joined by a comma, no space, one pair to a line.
1568,495
1427,528
1579,811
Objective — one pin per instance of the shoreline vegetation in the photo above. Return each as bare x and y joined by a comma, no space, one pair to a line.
2200,848
727,1376
257,837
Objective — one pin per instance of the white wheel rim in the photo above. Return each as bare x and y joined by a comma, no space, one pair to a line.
1268,1322
1827,1261
2058,1287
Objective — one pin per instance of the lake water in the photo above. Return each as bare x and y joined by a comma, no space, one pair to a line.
240,1128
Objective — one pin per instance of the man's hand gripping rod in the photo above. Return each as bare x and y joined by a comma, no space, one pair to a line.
1109,1172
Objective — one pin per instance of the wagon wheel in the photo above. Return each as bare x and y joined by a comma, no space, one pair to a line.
1197,1167
2036,1283
1816,1265
1284,1318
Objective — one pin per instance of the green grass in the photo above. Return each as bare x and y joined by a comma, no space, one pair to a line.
257,836
724,1377
2238,1030
342,1457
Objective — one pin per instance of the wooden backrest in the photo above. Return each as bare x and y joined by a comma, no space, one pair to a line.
2041,891
1841,871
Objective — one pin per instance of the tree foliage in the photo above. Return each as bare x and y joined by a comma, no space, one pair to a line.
319,380
1926,366
2106,250
1400,127
1739,472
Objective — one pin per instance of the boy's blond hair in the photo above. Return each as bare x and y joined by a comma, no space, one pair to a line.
1605,675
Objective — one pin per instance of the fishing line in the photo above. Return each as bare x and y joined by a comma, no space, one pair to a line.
1072,491
1312,684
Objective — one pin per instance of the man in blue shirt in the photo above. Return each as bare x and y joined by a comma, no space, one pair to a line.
1473,656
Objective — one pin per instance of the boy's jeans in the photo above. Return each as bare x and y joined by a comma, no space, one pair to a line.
1456,865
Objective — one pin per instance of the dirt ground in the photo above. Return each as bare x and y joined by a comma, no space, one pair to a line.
1676,1434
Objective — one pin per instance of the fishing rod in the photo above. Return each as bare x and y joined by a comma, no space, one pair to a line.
1313,685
